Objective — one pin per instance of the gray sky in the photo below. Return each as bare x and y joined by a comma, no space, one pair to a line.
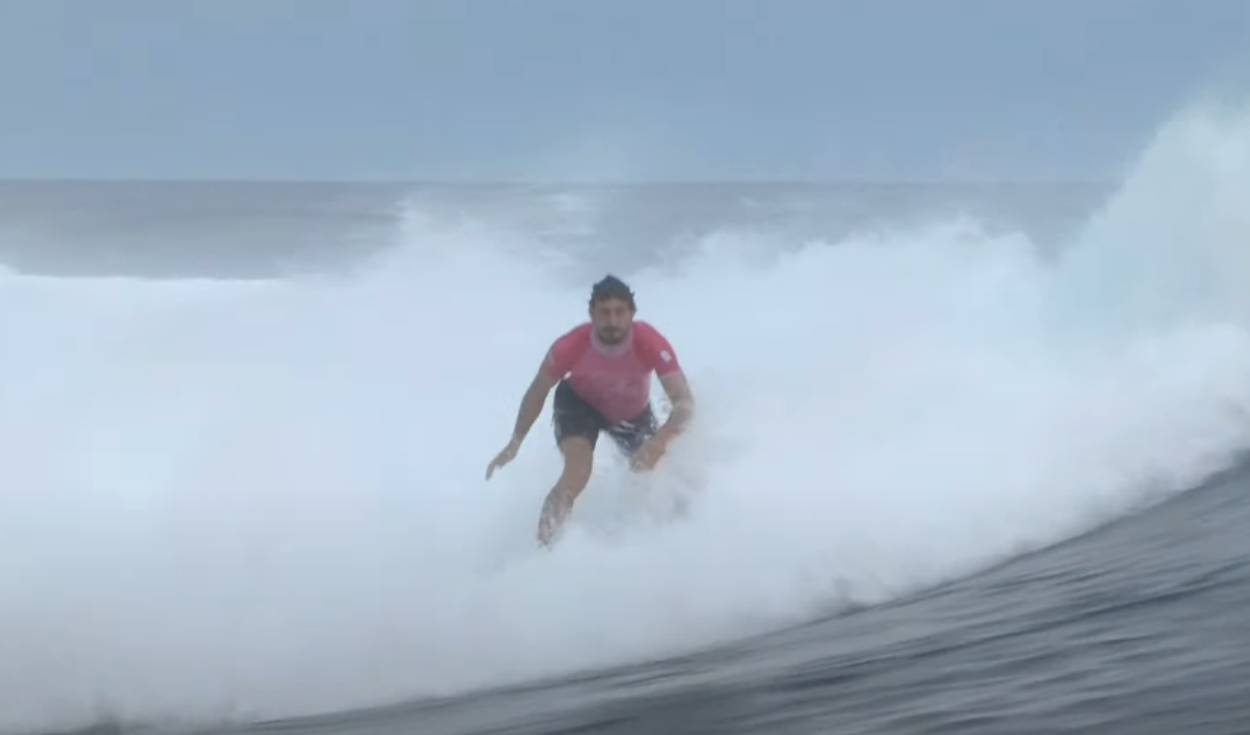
600,90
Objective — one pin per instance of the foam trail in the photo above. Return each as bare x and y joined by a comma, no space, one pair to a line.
253,500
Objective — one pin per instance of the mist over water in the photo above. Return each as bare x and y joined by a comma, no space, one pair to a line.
233,500
1175,233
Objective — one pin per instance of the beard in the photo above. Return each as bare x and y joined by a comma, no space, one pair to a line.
612,335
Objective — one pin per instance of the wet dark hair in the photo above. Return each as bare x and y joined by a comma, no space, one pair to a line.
612,287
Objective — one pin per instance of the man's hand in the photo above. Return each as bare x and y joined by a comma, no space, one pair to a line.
649,453
504,457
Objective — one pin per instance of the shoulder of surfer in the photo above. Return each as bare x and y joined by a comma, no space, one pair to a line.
648,331
654,347
567,348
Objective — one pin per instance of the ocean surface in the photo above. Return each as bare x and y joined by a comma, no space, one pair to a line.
969,458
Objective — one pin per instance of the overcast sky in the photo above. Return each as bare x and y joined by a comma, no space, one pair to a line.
602,89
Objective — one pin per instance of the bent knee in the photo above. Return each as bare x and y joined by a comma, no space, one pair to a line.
576,474
578,458
577,449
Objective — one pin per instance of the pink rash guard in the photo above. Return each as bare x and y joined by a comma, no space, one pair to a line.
614,379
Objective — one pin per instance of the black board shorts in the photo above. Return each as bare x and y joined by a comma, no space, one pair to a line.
573,416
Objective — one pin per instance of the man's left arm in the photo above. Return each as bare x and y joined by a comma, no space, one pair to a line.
659,355
682,400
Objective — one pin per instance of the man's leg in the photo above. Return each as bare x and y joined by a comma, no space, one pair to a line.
577,427
578,454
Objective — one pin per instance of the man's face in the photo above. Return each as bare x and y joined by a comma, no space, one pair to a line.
612,319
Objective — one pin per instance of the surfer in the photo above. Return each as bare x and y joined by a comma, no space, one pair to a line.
601,371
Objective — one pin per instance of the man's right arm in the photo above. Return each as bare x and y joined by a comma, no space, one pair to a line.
533,400
531,406
557,362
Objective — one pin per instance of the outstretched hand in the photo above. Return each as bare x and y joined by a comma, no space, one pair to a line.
504,457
